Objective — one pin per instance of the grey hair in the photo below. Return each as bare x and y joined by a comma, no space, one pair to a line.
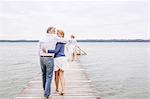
49,29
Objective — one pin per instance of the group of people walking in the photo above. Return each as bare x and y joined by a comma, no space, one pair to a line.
52,48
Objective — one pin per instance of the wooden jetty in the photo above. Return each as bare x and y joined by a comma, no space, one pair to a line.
77,86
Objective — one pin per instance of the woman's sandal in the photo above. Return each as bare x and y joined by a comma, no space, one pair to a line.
62,93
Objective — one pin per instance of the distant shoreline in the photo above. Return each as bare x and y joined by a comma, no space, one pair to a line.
92,40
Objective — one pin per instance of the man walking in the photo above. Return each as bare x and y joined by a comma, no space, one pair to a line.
46,59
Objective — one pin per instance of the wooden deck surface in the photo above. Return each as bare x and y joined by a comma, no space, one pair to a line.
77,86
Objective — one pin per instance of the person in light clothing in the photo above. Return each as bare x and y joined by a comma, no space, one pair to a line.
48,41
60,62
72,48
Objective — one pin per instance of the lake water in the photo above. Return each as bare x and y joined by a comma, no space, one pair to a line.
118,70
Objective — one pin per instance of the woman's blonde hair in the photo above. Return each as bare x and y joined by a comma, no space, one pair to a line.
61,32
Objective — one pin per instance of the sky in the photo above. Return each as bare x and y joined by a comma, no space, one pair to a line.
104,19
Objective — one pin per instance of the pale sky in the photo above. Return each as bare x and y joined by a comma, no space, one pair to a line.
104,19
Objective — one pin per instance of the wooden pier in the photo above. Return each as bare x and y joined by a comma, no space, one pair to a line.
77,86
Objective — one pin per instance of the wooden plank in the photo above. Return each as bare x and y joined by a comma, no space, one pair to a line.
77,86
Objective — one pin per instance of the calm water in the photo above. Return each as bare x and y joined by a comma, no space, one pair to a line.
118,70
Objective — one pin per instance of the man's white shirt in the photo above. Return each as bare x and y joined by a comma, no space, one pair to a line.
49,42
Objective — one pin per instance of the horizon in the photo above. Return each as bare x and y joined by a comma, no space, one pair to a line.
89,40
81,40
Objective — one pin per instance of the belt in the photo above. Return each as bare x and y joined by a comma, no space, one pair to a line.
46,56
